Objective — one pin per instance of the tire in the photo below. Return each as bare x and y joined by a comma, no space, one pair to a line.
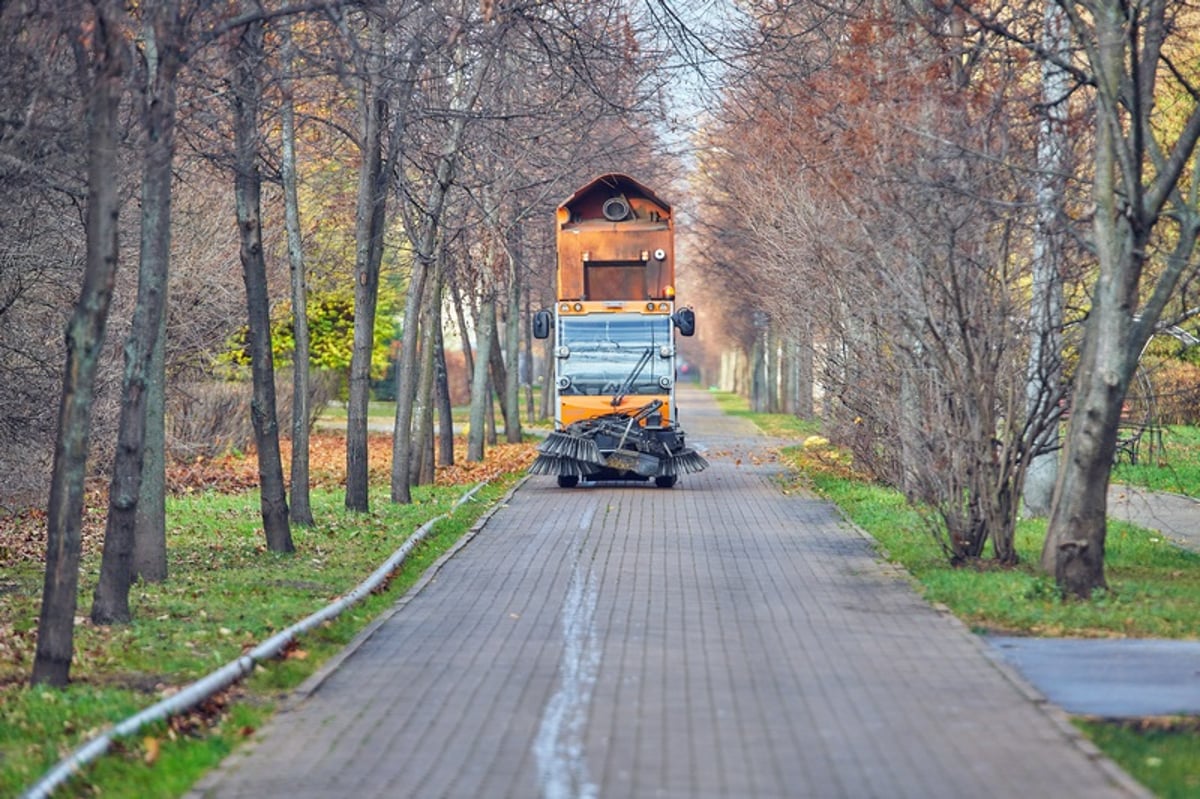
568,480
666,481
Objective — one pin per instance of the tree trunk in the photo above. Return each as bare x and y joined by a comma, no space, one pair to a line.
461,316
462,102
111,599
301,505
481,394
445,409
150,524
512,350
499,378
1078,519
527,376
368,256
1139,183
248,191
805,408
422,468
85,335
772,368
1044,372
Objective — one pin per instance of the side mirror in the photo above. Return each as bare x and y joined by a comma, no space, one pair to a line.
541,324
685,320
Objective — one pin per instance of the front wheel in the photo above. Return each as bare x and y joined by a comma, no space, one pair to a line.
568,480
666,481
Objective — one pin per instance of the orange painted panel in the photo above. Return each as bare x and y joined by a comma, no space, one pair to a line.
574,408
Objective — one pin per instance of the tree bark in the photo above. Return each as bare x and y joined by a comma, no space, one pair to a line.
481,395
150,526
101,72
111,599
368,256
247,90
422,467
512,350
445,409
1044,372
301,505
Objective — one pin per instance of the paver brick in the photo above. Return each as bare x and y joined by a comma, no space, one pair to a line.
719,639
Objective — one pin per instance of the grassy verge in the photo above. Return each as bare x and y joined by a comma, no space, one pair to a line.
225,593
1154,586
1174,467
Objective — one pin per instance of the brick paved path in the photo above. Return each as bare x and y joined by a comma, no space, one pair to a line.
718,639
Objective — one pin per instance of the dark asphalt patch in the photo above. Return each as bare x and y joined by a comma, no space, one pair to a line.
1113,678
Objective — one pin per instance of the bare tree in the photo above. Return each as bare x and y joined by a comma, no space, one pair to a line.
301,506
369,230
247,55
468,86
1147,217
164,58
1046,307
102,58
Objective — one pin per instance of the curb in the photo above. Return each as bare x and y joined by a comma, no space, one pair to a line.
1059,717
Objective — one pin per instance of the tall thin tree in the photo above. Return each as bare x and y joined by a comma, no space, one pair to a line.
301,505
246,95
111,600
368,257
101,59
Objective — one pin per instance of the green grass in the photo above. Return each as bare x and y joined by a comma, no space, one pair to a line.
224,593
1174,468
1165,758
1154,586
776,425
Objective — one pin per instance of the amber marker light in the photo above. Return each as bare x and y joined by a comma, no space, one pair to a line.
670,292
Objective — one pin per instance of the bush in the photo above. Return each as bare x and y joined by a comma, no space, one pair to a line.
1176,392
212,417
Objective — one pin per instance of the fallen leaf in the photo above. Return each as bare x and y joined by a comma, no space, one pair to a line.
152,750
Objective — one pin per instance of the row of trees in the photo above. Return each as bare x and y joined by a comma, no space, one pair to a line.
971,220
460,125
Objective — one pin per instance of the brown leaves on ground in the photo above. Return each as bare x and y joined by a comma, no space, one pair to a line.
327,465
23,534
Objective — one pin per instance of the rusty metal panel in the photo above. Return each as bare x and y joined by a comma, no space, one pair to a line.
609,258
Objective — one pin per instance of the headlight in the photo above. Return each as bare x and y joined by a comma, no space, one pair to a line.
665,381
563,383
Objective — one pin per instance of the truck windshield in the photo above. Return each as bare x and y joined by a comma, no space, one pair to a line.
603,352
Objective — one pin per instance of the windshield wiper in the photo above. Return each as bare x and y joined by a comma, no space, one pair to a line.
627,386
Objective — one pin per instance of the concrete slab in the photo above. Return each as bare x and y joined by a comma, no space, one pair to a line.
1112,678
1176,516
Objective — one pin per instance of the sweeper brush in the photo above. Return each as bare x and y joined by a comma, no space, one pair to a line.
560,466
686,461
616,447
572,445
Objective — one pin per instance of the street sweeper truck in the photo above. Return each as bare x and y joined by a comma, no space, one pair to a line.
614,325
